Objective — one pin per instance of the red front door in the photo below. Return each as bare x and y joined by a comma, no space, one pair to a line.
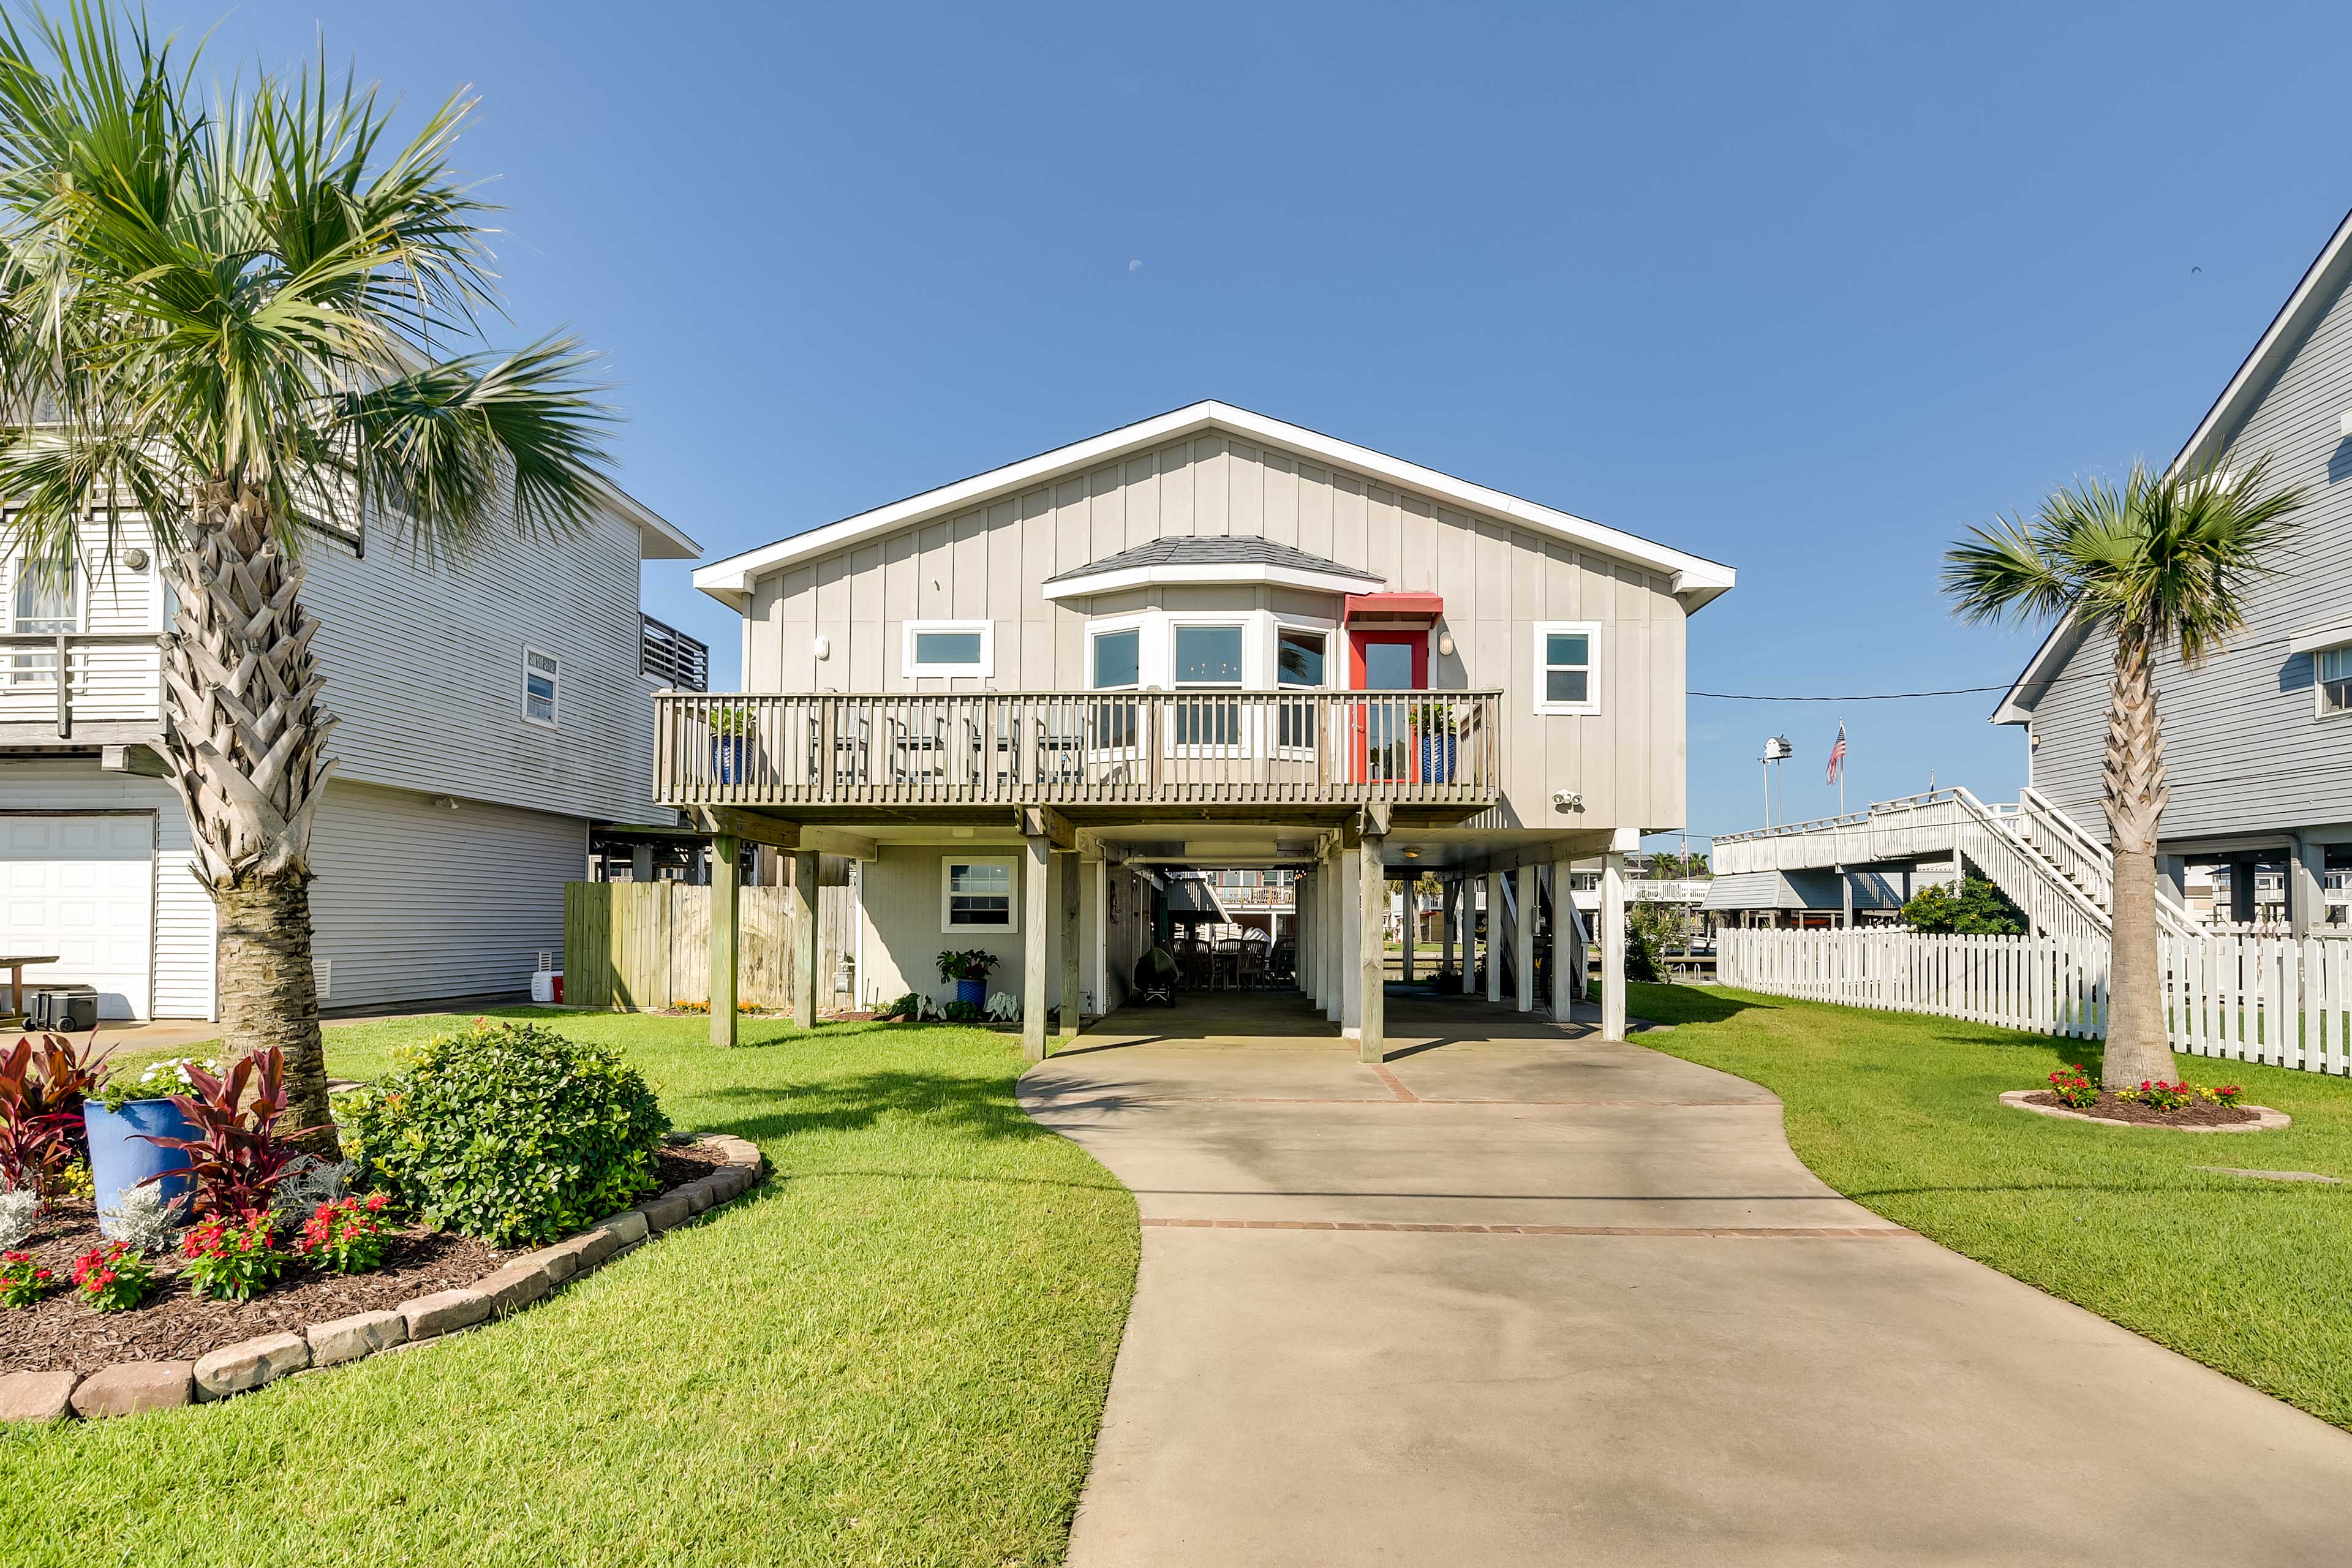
1387,661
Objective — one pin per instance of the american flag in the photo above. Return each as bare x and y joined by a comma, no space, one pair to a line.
1837,754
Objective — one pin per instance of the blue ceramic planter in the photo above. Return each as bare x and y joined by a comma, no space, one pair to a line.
120,1158
730,758
973,990
1437,759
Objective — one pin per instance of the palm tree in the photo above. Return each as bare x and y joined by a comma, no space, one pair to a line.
232,315
2162,564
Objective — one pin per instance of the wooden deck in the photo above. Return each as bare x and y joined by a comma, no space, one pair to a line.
1137,748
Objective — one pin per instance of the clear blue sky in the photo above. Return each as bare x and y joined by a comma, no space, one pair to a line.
1802,288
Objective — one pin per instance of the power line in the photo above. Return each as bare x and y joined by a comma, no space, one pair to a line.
1860,696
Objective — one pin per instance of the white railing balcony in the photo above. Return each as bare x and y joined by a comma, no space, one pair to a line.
1111,748
111,687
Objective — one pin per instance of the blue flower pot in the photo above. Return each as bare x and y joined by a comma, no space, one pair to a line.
973,990
1437,759
120,1157
731,759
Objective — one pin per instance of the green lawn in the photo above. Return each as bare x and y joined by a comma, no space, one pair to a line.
895,1353
1900,1113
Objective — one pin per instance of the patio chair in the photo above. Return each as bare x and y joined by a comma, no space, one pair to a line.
995,758
919,752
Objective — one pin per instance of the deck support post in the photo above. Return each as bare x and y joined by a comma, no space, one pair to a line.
1612,946
1302,894
804,921
725,883
1353,898
1036,881
1567,947
1444,931
1523,940
1338,900
1072,999
1494,936
1408,914
1372,1005
1468,911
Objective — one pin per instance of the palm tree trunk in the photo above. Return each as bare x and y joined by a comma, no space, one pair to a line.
245,738
2136,1048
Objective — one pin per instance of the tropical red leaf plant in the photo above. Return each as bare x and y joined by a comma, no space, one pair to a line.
62,1077
238,1156
34,1147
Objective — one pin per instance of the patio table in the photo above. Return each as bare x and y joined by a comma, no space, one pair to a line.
15,968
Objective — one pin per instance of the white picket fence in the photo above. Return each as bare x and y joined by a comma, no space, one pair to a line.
2283,1000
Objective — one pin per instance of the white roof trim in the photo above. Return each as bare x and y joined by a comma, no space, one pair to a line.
2320,638
657,538
729,580
2255,374
2278,340
1094,583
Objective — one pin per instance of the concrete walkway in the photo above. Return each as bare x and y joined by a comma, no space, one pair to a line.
1522,1297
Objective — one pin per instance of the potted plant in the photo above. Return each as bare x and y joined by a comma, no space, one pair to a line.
122,1117
730,743
969,970
1433,723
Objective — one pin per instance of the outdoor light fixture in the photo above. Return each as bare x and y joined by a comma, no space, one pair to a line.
2344,422
824,647
1412,854
1445,639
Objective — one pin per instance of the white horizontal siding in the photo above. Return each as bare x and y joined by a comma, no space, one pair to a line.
415,901
183,935
424,667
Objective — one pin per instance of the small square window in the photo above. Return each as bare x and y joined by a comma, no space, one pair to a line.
1564,673
976,894
1118,660
542,673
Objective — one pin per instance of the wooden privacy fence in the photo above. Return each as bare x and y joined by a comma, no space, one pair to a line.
2284,1001
632,946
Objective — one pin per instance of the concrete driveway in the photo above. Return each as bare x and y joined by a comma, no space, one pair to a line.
1523,1296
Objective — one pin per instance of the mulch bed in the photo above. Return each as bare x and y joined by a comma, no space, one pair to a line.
175,1324
2196,1113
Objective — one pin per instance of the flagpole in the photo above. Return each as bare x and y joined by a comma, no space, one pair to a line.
1840,772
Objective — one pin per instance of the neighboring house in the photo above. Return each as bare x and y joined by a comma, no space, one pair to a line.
1153,649
492,711
2258,740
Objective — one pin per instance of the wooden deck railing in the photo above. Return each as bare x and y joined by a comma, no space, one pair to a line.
1097,748
109,677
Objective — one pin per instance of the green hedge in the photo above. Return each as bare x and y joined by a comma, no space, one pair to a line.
511,1133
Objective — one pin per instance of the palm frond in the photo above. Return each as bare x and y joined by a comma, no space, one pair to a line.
2005,571
456,446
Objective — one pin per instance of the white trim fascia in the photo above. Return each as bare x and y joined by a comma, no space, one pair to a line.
2057,648
1237,572
2285,332
659,539
729,580
2323,637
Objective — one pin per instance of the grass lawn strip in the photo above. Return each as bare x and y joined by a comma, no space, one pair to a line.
1901,1113
895,1353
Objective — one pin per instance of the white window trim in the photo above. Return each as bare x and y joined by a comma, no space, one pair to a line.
1334,653
1545,630
913,669
555,695
1011,926
2319,709
1111,625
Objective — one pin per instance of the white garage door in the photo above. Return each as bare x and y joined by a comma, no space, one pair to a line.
83,887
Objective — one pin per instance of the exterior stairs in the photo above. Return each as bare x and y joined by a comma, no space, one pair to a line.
2058,873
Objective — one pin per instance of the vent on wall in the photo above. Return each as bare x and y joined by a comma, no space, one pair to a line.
326,972
546,961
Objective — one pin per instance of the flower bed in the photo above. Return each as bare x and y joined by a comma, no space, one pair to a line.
179,1348
175,1323
2108,1110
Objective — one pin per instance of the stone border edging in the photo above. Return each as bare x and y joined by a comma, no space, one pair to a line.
126,1388
2265,1121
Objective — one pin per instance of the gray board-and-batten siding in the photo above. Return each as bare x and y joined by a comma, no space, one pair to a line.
1497,580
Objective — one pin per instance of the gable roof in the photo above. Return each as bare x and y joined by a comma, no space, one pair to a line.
1209,557
1695,579
2313,292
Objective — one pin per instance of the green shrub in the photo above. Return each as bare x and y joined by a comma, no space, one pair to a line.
510,1133
1979,908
